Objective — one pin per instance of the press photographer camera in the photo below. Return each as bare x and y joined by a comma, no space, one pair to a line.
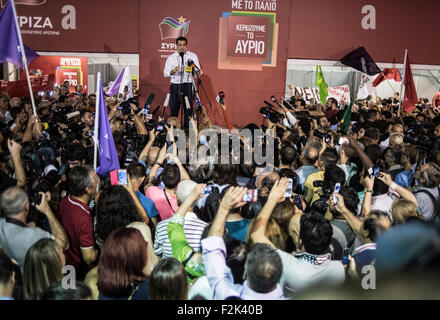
268,114
416,136
162,129
322,135
126,108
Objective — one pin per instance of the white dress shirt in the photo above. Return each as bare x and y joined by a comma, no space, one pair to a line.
175,60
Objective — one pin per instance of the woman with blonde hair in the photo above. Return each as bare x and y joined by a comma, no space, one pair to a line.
402,210
43,266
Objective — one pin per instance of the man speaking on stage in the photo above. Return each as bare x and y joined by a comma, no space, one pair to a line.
180,67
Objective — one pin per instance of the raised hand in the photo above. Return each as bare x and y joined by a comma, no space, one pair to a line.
233,198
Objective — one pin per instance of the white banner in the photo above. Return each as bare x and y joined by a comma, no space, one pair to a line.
365,87
340,93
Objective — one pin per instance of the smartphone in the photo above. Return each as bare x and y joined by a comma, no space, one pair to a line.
207,190
297,201
122,177
335,191
376,171
159,128
251,195
345,258
114,177
288,192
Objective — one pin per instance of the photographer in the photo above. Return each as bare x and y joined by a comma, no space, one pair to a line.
16,235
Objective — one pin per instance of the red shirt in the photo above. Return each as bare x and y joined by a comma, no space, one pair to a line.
75,217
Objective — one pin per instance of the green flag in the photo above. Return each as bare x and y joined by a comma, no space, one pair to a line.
320,82
346,120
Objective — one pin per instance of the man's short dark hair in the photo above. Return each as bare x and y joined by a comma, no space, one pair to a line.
83,112
182,39
351,198
264,268
329,156
371,115
75,152
136,170
79,179
288,155
315,232
373,151
171,176
332,175
333,101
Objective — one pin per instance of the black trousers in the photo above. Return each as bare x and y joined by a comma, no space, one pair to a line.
178,92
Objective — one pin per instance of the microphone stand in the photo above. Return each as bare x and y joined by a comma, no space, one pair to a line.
200,85
199,105
181,104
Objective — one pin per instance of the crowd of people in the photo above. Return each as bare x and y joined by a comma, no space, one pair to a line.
334,204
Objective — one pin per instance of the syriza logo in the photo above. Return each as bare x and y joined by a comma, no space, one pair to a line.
171,28
26,2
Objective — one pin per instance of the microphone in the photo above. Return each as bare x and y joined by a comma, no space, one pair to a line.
72,114
221,97
270,105
148,103
155,110
273,99
165,104
187,103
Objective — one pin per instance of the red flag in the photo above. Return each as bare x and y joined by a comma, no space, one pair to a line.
410,97
390,73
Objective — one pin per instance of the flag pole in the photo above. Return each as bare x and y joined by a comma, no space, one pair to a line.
435,78
402,83
23,58
96,128
388,81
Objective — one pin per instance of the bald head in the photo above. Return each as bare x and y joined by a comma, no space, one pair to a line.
397,128
13,201
310,155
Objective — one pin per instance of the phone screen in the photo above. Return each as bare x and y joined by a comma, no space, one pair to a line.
335,191
207,190
122,177
289,189
376,171
251,195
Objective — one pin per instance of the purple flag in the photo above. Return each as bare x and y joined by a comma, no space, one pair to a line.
9,42
108,158
115,86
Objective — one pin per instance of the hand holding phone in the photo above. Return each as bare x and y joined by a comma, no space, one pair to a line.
251,195
288,193
335,191
345,258
118,177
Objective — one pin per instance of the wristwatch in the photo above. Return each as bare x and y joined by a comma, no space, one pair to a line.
369,191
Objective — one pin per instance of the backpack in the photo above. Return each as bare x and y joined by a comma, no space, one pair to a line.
210,209
436,214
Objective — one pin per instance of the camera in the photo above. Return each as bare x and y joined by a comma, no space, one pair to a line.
321,135
126,108
268,114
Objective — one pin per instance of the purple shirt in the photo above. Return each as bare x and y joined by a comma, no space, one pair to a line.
220,276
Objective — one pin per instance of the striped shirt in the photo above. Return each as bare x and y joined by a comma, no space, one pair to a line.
193,228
